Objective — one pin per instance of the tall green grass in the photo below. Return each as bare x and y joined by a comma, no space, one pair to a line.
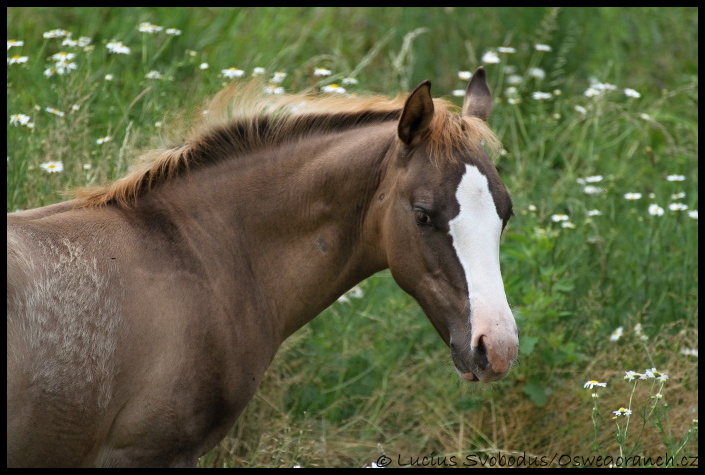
370,376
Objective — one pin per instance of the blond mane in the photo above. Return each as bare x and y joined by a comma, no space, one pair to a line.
242,118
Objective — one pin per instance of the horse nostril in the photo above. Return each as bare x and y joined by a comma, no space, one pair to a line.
480,354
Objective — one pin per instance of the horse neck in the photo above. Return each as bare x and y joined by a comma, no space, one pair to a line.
293,224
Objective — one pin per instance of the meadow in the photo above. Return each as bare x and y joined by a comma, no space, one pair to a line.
597,112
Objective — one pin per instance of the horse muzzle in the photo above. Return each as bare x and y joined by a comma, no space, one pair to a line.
487,358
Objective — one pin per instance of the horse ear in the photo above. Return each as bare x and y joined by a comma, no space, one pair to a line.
478,99
416,115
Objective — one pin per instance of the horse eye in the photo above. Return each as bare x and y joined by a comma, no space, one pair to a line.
421,217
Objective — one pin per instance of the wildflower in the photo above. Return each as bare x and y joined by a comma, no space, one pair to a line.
464,75
349,81
653,373
278,77
622,412
102,140
592,383
59,33
594,212
645,116
490,57
639,333
258,71
109,77
63,64
532,208
536,73
541,96
693,214
356,293
567,225
597,88
13,43
147,27
153,75
632,196
203,66
594,395
231,73
514,79
631,375
20,119
593,190
117,47
617,334
675,178
541,47
678,207
678,196
631,93
84,41
69,42
173,31
511,92
61,69
458,92
689,352
593,179
514,100
62,57
274,90
53,167
506,49
581,109
321,72
54,111
17,59
559,217
333,88
87,166
655,210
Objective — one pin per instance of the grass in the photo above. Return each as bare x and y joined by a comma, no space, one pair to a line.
370,377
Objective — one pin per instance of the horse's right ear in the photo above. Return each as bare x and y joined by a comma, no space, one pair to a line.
416,115
478,99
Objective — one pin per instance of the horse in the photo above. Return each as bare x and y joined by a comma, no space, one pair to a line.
142,315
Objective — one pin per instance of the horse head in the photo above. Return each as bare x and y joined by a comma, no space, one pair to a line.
442,228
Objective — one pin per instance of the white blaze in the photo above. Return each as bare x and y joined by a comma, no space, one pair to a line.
476,231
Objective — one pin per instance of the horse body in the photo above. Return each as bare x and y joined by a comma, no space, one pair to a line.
137,334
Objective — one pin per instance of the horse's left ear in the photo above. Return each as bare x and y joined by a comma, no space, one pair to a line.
478,99
416,115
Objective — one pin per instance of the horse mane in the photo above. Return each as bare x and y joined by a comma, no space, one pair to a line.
242,118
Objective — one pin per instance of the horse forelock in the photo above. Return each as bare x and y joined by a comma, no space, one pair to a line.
242,118
453,136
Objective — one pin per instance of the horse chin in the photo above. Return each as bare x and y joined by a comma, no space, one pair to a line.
467,376
475,373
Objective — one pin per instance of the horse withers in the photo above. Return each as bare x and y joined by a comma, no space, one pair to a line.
143,315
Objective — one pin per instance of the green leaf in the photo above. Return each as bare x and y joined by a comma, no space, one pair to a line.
527,344
536,393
